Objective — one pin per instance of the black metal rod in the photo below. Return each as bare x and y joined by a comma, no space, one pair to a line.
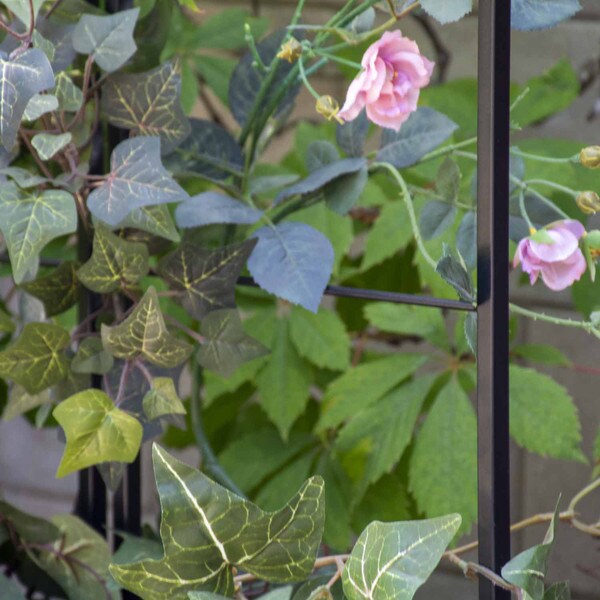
493,308
379,296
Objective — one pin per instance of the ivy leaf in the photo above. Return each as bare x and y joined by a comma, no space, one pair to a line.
22,78
144,333
137,179
443,467
212,207
423,132
30,220
58,291
91,357
447,11
205,278
69,96
162,400
22,177
227,346
156,220
36,360
528,569
206,530
39,105
7,325
148,104
209,151
48,144
29,528
393,560
528,15
20,402
115,262
558,591
59,34
351,136
22,10
321,338
292,261
96,431
109,40
543,415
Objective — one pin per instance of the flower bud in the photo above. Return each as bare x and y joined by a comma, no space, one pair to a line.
590,157
291,50
329,108
588,202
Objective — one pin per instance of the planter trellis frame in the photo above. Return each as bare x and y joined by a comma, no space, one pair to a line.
492,311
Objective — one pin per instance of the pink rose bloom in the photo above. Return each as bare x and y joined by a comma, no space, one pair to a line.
394,71
560,263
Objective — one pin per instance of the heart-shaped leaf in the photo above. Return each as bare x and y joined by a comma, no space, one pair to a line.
60,34
212,207
108,39
148,104
39,105
156,220
528,15
144,333
58,291
137,179
96,431
48,144
91,357
22,10
20,402
36,360
162,400
207,531
69,96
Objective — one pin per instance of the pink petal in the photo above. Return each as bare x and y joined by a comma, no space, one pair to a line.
560,275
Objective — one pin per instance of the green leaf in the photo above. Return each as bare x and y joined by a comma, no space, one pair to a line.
96,431
10,590
36,360
7,325
209,208
351,136
543,416
22,10
58,290
466,239
144,334
393,560
109,40
22,177
216,72
29,528
206,530
321,338
20,402
528,569
39,105
344,192
443,467
436,217
69,96
447,11
91,357
227,346
162,400
48,144
115,262
453,272
363,386
156,220
284,383
205,278
137,179
540,353
528,15
225,29
148,104
558,591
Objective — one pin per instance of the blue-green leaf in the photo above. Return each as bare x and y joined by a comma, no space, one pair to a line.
213,207
447,11
542,14
351,136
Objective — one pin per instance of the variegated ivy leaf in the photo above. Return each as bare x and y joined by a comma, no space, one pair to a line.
393,560
207,531
20,402
205,278
91,357
148,104
96,431
162,400
36,360
156,220
69,96
60,34
30,220
22,177
137,179
144,334
108,39
39,105
21,78
227,345
115,262
48,144
46,46
528,569
58,291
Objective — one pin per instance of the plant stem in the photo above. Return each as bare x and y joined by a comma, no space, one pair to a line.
545,159
587,326
307,84
339,59
552,184
524,211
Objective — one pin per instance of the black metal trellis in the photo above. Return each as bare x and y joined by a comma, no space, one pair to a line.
492,312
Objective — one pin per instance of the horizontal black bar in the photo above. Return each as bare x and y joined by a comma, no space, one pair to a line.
341,291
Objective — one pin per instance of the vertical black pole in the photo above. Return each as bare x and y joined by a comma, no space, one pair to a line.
492,268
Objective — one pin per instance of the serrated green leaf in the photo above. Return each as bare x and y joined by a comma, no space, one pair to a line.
69,96
210,208
39,105
115,262
447,11
393,560
528,15
92,358
362,386
58,290
453,272
443,467
48,144
162,400
20,402
227,346
137,179
206,530
148,104
144,334
96,431
205,278
543,416
109,40
36,360
156,220
351,136
30,220
540,353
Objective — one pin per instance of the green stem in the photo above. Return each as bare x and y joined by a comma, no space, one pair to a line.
524,211
587,326
552,184
339,59
449,149
545,159
592,487
304,78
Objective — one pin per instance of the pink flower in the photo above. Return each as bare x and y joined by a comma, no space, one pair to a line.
560,263
393,73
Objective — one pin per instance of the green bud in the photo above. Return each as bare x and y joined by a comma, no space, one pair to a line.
590,157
